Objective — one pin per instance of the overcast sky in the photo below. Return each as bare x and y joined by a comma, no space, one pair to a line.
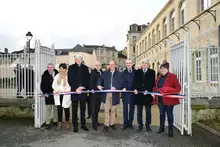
70,22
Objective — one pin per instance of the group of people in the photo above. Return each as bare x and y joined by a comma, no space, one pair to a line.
78,78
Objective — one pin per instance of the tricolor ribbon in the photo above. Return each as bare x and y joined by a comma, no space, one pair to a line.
114,91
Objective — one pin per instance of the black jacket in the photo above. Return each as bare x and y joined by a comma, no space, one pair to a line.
76,80
144,82
94,77
46,86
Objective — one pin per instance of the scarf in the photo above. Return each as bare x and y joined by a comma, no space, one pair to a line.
63,77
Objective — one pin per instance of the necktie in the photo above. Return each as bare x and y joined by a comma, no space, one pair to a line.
111,78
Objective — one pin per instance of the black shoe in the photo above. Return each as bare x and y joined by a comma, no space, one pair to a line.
140,129
170,134
98,124
47,126
55,124
95,127
148,129
130,126
113,127
84,128
105,129
125,127
75,130
89,117
160,130
20,97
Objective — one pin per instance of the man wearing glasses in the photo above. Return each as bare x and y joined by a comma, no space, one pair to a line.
95,97
128,98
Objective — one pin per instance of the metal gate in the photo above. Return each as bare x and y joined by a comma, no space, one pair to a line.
181,67
43,56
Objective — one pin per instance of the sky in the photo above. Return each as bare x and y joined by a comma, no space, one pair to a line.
66,23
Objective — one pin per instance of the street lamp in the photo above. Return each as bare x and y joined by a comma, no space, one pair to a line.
29,36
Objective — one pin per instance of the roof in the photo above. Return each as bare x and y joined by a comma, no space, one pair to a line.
102,46
79,48
22,51
120,55
62,51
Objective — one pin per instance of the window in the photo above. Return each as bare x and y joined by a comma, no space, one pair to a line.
158,33
183,13
134,38
198,72
134,49
149,41
205,4
153,66
113,54
214,64
165,27
153,37
145,43
140,48
101,53
172,21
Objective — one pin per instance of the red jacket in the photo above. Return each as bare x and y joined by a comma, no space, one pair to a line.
171,86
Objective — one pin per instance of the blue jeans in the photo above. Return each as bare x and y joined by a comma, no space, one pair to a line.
166,109
128,118
139,115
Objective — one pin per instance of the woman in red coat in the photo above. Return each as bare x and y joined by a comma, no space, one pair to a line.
167,83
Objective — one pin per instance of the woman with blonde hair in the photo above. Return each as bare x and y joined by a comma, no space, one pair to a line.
60,84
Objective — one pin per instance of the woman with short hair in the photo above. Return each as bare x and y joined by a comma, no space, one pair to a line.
166,83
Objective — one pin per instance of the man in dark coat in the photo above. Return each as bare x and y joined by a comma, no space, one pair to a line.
128,98
46,87
78,78
111,79
144,80
96,97
18,74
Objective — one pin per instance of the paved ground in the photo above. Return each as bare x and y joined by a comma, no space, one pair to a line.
14,134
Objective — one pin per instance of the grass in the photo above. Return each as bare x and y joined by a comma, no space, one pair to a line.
213,123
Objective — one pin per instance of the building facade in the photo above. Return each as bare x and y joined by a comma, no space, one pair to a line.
90,54
198,17
134,32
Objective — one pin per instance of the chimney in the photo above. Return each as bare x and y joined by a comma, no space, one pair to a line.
6,51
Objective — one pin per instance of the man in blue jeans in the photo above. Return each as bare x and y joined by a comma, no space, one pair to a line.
144,80
128,98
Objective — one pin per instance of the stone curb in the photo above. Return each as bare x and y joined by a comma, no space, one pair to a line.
215,132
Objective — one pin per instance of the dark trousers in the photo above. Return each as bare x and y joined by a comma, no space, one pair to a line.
163,110
95,103
139,115
82,113
60,111
89,109
128,114
19,87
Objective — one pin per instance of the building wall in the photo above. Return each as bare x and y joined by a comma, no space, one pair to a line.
157,53
105,55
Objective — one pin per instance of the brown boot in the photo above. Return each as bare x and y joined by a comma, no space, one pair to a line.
59,125
67,125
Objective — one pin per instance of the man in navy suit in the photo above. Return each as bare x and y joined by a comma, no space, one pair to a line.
128,98
110,80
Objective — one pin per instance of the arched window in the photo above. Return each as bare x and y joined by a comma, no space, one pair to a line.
153,66
172,21
183,13
158,33
149,41
145,43
153,37
165,27
205,4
